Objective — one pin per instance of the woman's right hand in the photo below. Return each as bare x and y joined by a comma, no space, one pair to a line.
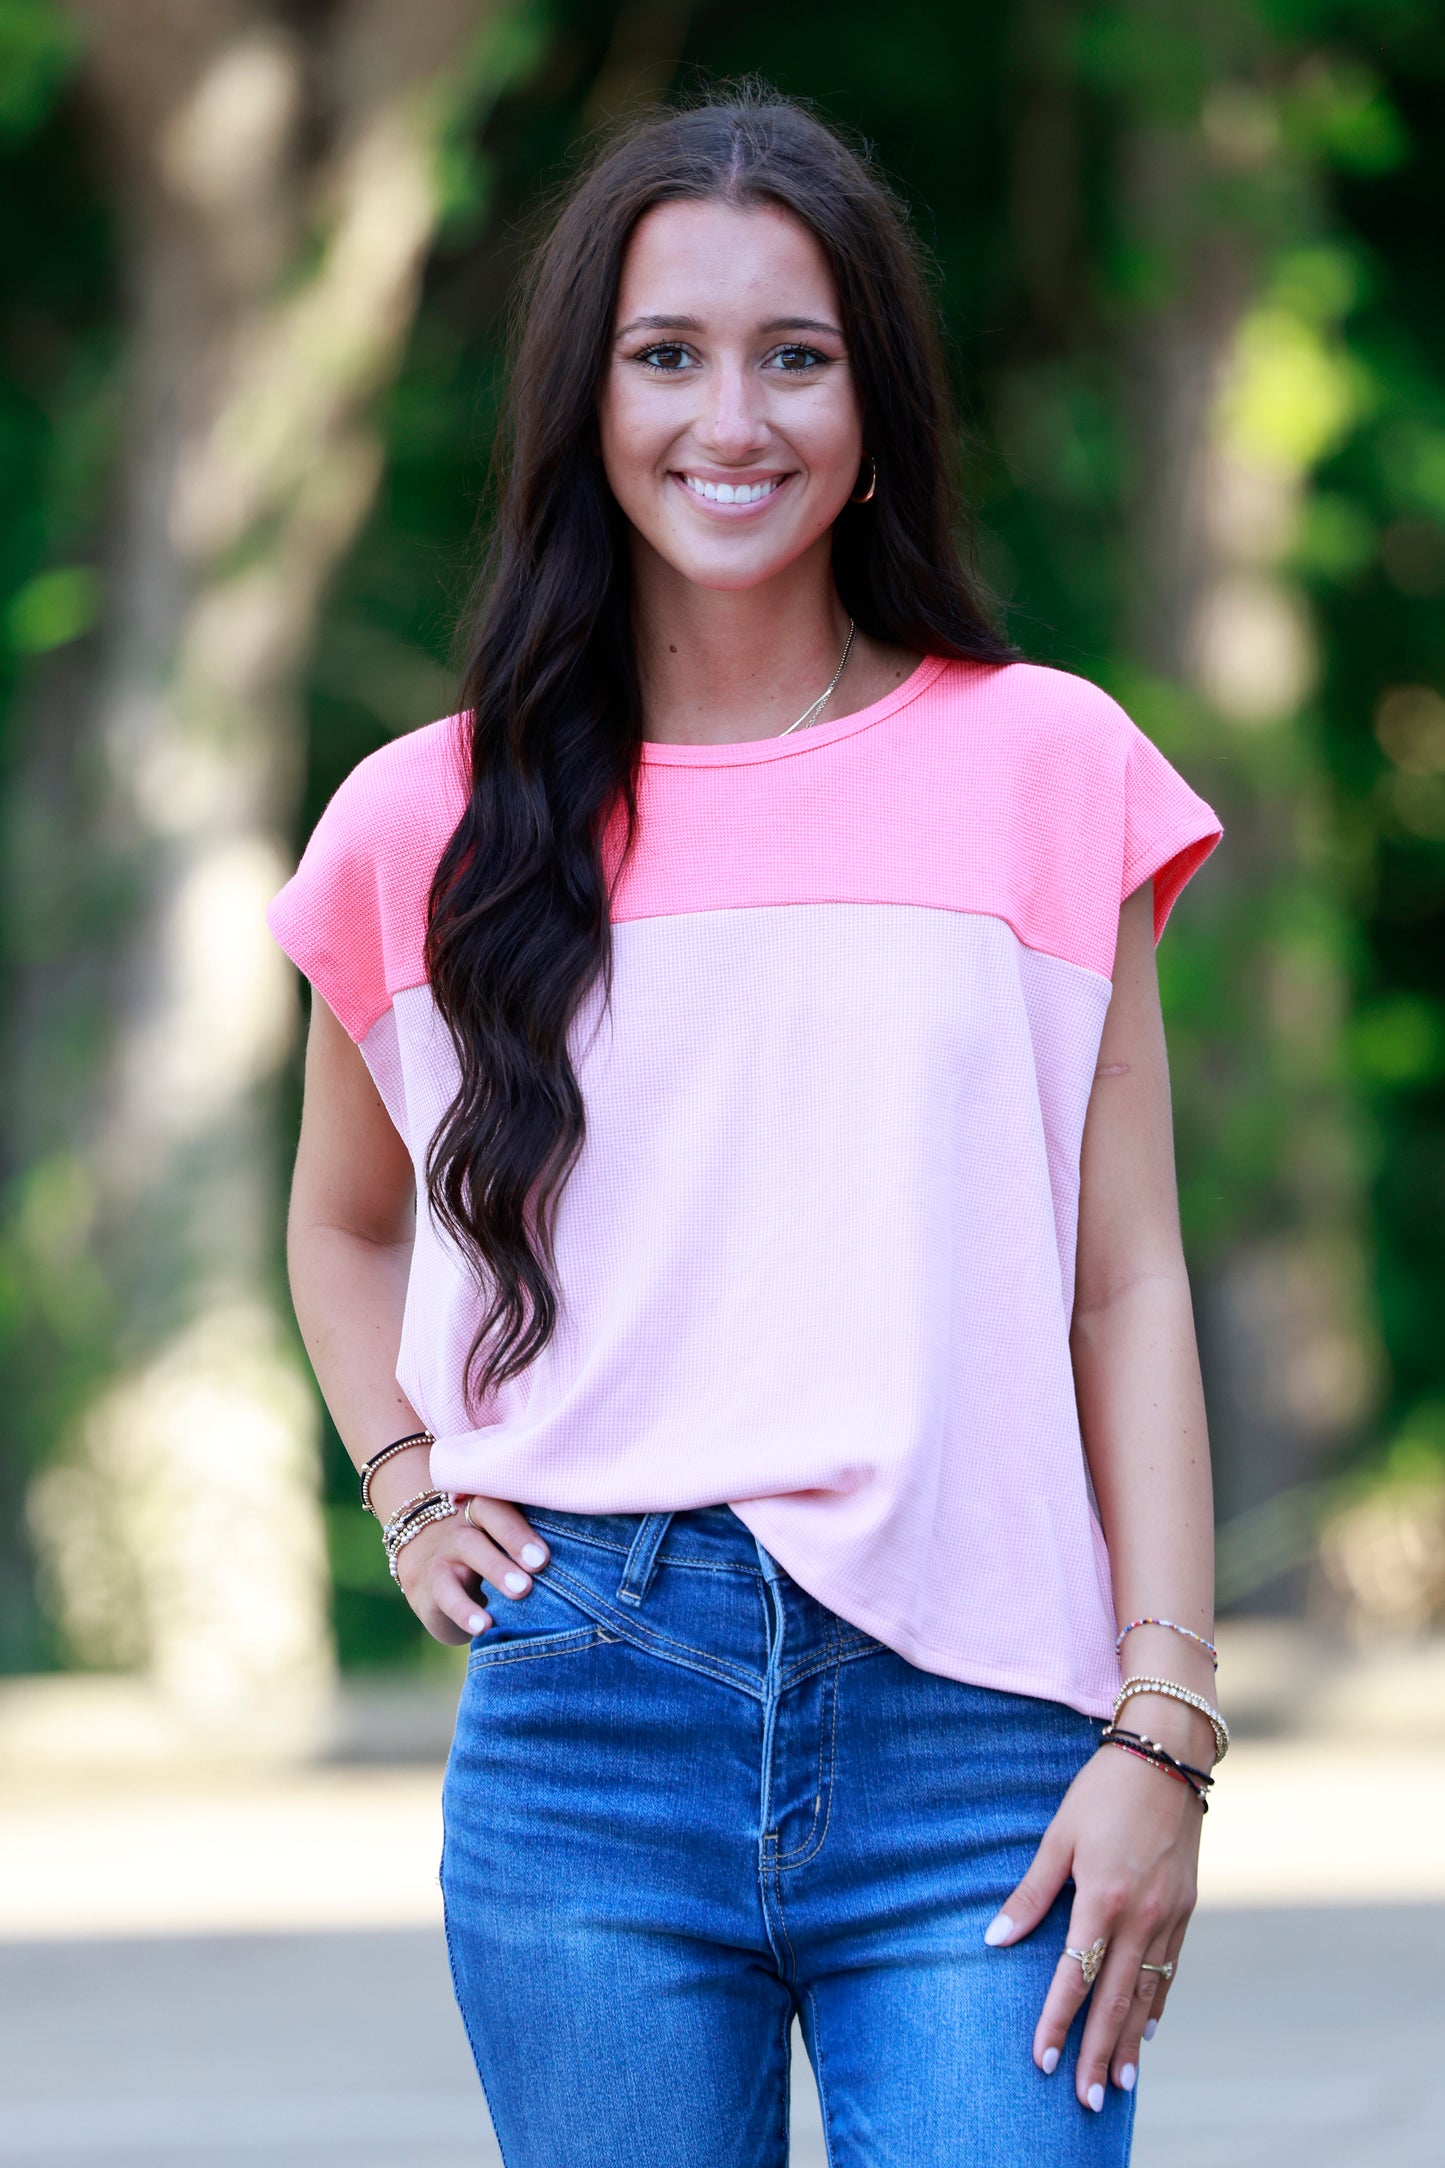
440,1570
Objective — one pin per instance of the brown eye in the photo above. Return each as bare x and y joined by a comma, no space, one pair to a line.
798,360
667,360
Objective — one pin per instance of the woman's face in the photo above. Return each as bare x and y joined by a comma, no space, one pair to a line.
730,425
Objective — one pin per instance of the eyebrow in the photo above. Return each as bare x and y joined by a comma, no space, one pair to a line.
694,323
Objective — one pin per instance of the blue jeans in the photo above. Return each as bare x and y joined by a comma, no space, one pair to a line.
686,1802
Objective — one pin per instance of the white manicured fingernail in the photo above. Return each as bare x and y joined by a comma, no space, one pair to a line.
1126,2078
1051,2061
476,1622
514,1583
1151,2026
533,1555
998,1930
1096,2098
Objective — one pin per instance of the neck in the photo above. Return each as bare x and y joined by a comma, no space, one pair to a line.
718,667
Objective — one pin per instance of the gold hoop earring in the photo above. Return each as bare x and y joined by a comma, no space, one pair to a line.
866,497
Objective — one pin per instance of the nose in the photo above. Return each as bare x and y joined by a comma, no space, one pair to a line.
732,423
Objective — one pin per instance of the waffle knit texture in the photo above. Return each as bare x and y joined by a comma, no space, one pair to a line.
816,1260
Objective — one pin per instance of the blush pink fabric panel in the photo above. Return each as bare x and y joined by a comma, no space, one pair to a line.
791,1273
816,1259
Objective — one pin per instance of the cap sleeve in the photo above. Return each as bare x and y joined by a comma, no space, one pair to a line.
353,915
328,916
1169,831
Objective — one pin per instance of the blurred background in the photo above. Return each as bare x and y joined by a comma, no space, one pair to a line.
255,261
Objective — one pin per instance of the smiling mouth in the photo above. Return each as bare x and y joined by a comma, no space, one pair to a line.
740,493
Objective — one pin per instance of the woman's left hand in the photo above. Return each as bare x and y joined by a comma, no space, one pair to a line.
1129,1836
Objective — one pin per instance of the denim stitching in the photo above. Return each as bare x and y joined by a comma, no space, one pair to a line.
640,1567
571,1641
647,1638
764,1610
785,2061
560,1573
850,1651
545,1522
817,1837
808,1665
823,2109
799,1857
792,1972
571,1535
702,1565
457,1995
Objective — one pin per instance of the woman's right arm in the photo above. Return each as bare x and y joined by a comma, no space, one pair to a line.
348,1246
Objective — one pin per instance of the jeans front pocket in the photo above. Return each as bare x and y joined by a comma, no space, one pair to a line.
544,1622
518,1648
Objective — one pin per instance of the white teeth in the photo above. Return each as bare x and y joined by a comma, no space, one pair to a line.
732,492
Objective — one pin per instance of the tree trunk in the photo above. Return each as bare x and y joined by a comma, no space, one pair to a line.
1229,661
278,195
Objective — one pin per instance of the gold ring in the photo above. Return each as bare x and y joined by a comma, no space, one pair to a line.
467,1516
1090,1960
1166,1969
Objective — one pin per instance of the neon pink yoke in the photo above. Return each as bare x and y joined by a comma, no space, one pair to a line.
816,1259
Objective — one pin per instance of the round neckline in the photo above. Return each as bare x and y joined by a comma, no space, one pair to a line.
740,751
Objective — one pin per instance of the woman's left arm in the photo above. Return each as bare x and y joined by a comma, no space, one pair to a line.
1126,1832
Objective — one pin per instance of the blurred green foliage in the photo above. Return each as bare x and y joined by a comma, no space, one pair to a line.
1005,130
61,336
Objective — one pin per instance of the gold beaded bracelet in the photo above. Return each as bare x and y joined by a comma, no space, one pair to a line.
389,1452
1174,1692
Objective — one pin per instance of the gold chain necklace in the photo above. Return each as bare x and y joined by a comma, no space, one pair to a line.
810,715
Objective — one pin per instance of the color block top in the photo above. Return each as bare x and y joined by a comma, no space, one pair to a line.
816,1258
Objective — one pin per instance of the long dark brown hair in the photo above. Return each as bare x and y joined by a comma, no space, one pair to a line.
519,922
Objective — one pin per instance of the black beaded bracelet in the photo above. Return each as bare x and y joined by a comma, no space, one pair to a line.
389,1452
1159,1757
1155,1746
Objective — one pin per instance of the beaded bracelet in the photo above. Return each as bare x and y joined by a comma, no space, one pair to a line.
389,1452
1187,1631
421,1512
1158,1757
1116,1732
418,1502
1175,1692
1156,1761
407,1507
442,1509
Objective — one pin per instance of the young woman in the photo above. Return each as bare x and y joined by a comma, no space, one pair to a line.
754,982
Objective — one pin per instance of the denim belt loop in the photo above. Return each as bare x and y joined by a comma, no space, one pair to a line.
773,1573
642,1558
